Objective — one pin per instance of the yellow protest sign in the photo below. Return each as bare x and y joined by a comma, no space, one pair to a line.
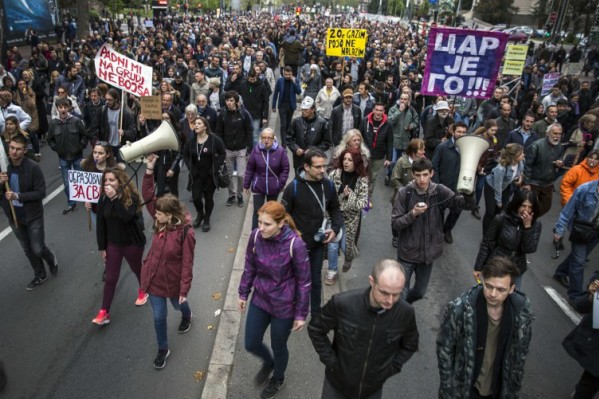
346,42
516,52
512,68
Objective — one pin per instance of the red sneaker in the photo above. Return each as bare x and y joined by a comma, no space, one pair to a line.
142,298
102,318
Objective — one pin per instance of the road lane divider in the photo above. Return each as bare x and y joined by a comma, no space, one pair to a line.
563,305
4,233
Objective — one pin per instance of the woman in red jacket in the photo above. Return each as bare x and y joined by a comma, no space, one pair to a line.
168,267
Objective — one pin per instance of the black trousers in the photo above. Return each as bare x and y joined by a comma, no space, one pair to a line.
202,194
587,386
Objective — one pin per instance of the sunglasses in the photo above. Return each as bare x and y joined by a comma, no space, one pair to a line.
103,143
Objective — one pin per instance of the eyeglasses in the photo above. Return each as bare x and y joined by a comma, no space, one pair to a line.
61,92
267,138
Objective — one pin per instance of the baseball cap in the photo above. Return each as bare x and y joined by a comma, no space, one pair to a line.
442,105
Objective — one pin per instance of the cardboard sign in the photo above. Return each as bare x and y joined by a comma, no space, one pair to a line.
151,107
549,80
516,52
122,72
84,186
573,68
463,62
346,42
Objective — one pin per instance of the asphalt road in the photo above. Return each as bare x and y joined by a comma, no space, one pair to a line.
52,350
47,341
549,373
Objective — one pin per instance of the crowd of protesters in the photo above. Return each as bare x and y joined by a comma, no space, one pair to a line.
221,79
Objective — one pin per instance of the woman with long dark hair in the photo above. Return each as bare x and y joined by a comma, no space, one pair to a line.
351,183
120,234
513,234
203,156
167,269
277,257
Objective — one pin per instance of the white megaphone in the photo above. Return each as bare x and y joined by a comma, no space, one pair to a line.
471,149
163,138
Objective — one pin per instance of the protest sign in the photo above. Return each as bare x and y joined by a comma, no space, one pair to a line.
151,107
549,80
463,62
84,186
346,42
573,68
515,58
122,72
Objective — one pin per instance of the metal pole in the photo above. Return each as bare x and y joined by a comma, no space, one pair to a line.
380,11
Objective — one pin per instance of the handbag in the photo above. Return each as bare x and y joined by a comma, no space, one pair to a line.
582,232
223,176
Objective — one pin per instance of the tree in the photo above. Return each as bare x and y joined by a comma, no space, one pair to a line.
496,11
540,12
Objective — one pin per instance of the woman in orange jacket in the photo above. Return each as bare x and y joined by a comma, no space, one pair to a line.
584,172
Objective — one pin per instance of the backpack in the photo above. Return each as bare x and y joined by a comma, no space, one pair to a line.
290,246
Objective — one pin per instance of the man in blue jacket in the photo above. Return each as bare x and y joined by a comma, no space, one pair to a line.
284,98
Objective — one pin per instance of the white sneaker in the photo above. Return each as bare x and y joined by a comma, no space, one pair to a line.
331,277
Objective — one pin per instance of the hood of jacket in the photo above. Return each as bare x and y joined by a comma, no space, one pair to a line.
370,118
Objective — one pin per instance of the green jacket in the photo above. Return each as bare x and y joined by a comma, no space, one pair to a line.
405,126
456,346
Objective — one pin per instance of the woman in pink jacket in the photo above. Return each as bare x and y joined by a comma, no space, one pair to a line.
168,267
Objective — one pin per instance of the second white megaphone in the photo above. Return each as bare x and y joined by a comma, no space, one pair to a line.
471,149
163,138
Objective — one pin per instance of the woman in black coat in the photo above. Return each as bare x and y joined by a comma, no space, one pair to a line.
513,234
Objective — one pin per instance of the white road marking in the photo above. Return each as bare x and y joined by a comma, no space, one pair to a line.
49,198
561,302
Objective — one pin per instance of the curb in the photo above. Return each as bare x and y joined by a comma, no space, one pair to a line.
223,352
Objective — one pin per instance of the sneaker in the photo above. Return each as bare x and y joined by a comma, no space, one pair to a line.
160,360
240,202
263,374
102,318
206,225
69,208
346,266
331,277
53,266
231,200
272,389
142,298
37,281
185,325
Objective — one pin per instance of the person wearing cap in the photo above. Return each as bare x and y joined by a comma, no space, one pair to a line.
325,99
344,117
312,81
437,128
307,130
183,89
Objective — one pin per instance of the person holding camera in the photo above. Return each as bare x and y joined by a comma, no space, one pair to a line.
311,200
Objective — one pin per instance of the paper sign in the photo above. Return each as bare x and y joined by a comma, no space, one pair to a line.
151,107
463,62
513,68
346,42
516,52
573,68
123,72
549,80
84,186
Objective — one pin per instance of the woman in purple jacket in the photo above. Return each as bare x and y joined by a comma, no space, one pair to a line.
278,269
266,172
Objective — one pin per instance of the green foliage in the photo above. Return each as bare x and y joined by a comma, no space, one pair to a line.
540,12
422,10
496,11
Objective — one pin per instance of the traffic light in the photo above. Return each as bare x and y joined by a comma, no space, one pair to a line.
298,11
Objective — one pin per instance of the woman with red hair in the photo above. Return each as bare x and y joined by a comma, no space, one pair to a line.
351,182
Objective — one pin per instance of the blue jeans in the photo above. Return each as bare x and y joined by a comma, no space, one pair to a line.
259,200
423,276
64,167
31,238
256,130
256,323
159,309
333,253
316,256
397,153
573,266
480,185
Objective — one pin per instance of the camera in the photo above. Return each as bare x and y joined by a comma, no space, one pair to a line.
320,235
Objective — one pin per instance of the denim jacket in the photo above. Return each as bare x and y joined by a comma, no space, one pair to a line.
501,177
582,206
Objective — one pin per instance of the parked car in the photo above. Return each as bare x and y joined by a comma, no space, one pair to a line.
518,37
